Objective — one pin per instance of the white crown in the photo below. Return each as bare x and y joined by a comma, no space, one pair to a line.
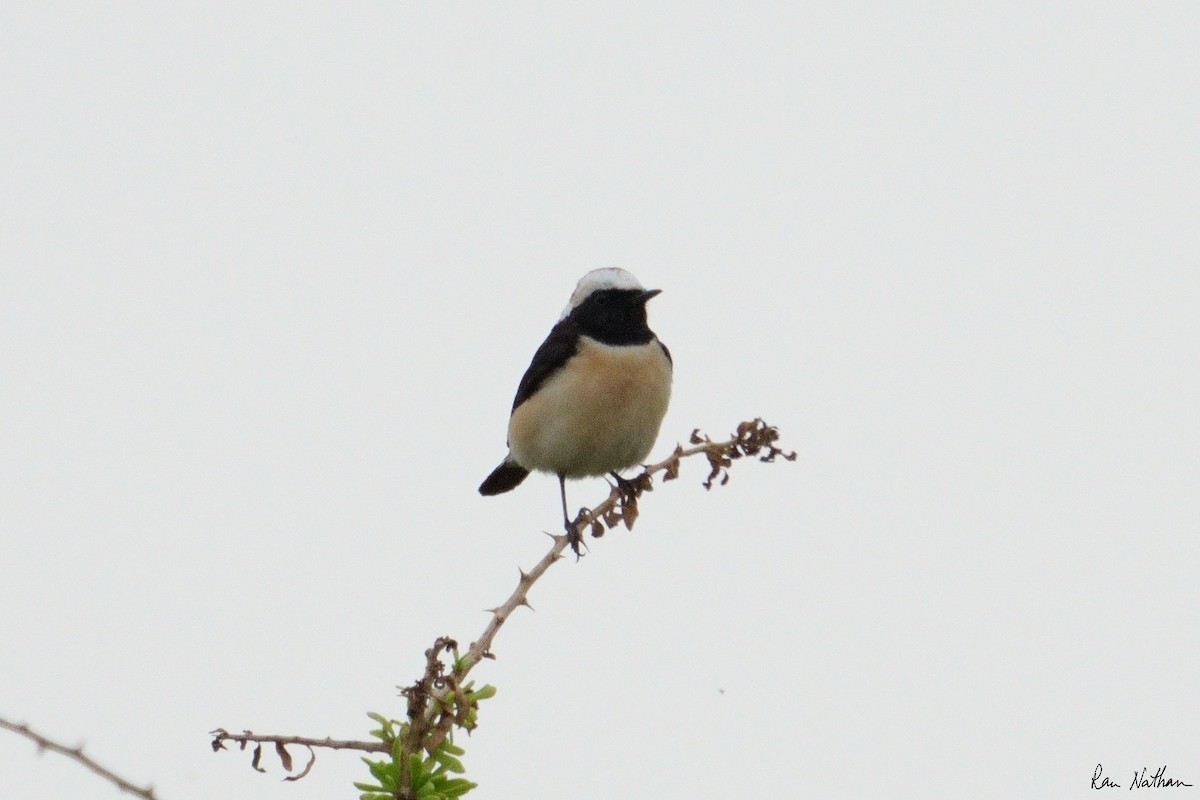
598,280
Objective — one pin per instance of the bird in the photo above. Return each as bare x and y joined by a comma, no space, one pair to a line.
594,396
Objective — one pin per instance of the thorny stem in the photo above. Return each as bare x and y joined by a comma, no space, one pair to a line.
76,754
220,736
438,698
718,452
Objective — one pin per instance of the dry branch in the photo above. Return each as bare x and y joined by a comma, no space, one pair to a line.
76,754
440,700
753,438
221,736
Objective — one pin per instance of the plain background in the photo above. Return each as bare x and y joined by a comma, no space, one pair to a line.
271,273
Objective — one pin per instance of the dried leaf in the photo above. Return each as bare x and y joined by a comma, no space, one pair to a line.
257,757
611,518
312,759
284,756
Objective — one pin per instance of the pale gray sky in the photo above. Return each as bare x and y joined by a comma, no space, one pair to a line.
271,274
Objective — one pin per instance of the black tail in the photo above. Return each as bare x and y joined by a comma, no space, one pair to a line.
504,478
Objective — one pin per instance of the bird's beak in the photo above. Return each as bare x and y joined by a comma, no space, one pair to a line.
645,296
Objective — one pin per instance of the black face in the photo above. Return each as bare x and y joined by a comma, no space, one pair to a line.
614,316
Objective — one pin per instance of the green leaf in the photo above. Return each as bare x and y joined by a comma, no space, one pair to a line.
417,771
386,730
451,748
457,787
483,693
448,761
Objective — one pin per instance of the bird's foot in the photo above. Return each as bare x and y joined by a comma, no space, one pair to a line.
629,488
574,537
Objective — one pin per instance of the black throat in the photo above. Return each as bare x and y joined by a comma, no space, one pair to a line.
613,317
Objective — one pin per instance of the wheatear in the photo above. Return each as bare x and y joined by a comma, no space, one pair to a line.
595,393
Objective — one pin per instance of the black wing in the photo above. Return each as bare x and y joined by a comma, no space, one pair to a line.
558,348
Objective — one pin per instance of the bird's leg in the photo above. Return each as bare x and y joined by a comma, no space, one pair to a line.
573,535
